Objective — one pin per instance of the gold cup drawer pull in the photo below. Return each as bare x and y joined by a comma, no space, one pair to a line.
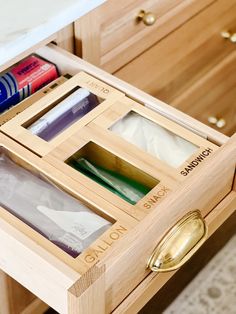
179,244
148,18
228,35
219,123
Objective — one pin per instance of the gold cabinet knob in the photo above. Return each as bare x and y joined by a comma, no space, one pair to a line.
179,244
233,38
228,35
148,18
219,123
225,34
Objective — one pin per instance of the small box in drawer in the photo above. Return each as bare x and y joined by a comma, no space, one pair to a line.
175,149
14,111
149,169
110,170
47,206
56,116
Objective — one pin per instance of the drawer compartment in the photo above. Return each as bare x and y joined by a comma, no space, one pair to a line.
67,283
174,148
101,151
26,176
51,119
113,252
14,111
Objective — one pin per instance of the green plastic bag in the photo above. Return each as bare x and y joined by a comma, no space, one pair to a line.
128,189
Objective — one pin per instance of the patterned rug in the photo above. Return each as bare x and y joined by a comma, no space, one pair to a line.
213,291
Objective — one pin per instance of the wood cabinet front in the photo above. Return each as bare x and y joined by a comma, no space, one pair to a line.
190,62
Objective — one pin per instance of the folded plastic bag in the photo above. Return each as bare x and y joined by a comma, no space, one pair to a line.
130,190
154,139
69,110
58,216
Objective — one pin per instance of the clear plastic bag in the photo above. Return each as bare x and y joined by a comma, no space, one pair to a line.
154,139
64,114
56,215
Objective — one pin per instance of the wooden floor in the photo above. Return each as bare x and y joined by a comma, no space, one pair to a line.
172,289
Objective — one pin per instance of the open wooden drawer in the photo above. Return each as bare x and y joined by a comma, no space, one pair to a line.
78,285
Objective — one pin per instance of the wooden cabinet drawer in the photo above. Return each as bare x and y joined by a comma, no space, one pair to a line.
212,97
112,35
165,287
193,52
69,284
28,252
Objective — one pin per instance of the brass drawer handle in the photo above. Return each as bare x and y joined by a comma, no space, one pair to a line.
179,244
220,123
148,18
229,35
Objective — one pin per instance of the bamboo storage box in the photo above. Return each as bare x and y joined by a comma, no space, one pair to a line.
120,224
17,127
100,146
120,279
203,148
100,149
14,111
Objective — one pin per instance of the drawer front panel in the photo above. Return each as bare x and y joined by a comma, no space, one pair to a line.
173,65
125,27
121,26
139,244
153,283
212,98
118,35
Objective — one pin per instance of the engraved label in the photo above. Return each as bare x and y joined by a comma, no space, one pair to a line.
103,247
114,235
157,197
89,259
194,163
98,87
96,252
121,229
108,243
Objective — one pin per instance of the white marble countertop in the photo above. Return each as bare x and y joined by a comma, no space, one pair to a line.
24,23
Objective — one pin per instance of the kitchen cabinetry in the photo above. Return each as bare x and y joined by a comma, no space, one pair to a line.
185,54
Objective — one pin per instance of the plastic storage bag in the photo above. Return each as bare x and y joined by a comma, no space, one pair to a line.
154,139
130,190
65,113
53,213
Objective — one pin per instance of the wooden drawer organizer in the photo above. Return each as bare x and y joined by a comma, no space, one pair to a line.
189,62
41,246
69,285
102,147
14,111
17,127
116,113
